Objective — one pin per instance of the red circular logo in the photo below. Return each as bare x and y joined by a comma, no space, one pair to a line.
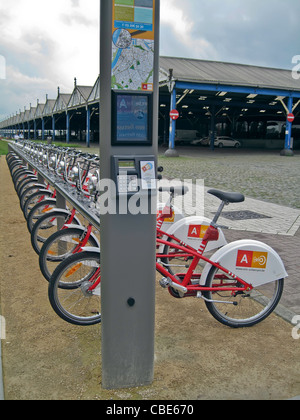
174,114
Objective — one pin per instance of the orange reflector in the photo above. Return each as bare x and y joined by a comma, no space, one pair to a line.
47,209
73,270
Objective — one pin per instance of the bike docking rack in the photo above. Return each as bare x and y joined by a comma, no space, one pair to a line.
64,191
241,282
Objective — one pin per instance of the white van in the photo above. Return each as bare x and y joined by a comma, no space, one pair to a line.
185,136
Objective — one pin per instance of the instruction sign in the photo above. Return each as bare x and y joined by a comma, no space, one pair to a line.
131,118
133,44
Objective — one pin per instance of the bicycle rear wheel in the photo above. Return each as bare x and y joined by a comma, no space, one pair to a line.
34,199
245,308
27,192
60,246
78,305
40,209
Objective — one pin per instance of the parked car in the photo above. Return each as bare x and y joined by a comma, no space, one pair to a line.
224,141
201,142
185,136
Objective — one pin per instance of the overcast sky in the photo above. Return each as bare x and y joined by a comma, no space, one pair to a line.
45,44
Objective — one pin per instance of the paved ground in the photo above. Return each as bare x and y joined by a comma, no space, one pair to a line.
271,184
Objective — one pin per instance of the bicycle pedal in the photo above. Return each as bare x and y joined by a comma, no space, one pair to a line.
164,282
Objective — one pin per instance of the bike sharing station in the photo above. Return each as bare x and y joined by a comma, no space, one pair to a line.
128,123
241,283
129,68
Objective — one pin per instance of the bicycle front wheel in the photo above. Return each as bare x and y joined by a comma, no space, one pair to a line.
240,309
60,246
80,304
47,225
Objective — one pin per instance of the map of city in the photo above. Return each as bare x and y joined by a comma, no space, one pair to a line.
132,68
133,45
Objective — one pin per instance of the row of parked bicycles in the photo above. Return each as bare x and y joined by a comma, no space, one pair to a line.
66,243
241,282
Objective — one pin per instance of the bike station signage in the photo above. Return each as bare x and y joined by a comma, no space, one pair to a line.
129,66
133,44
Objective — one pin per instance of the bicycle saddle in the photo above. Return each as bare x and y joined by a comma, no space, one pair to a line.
228,197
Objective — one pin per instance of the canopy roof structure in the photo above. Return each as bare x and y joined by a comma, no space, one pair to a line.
196,88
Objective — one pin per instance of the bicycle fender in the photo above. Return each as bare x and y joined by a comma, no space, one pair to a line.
83,229
253,261
55,212
73,225
91,249
191,231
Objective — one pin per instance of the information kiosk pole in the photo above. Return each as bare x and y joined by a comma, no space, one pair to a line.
129,80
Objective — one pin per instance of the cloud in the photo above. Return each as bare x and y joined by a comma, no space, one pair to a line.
45,47
178,29
47,44
244,31
2,67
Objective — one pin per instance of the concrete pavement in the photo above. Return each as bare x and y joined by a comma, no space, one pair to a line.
276,225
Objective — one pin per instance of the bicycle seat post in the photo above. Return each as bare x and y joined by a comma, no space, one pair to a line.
218,213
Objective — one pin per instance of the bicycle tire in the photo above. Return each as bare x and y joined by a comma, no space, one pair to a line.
60,246
35,198
16,166
251,307
28,185
25,181
19,175
29,191
76,305
22,175
47,225
40,209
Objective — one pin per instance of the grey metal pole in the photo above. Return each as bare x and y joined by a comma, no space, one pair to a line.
127,242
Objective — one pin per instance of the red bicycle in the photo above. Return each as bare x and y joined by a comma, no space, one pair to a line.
241,283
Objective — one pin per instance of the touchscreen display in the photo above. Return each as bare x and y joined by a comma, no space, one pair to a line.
132,119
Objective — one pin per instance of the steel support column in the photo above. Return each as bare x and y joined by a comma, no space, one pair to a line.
53,127
88,126
67,127
34,129
43,129
172,152
287,151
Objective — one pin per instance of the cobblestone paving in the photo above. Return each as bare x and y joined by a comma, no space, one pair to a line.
271,184
264,175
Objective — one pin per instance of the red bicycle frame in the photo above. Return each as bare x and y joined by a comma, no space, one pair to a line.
189,252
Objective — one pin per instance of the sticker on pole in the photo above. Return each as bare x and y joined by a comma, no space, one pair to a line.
291,118
174,114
